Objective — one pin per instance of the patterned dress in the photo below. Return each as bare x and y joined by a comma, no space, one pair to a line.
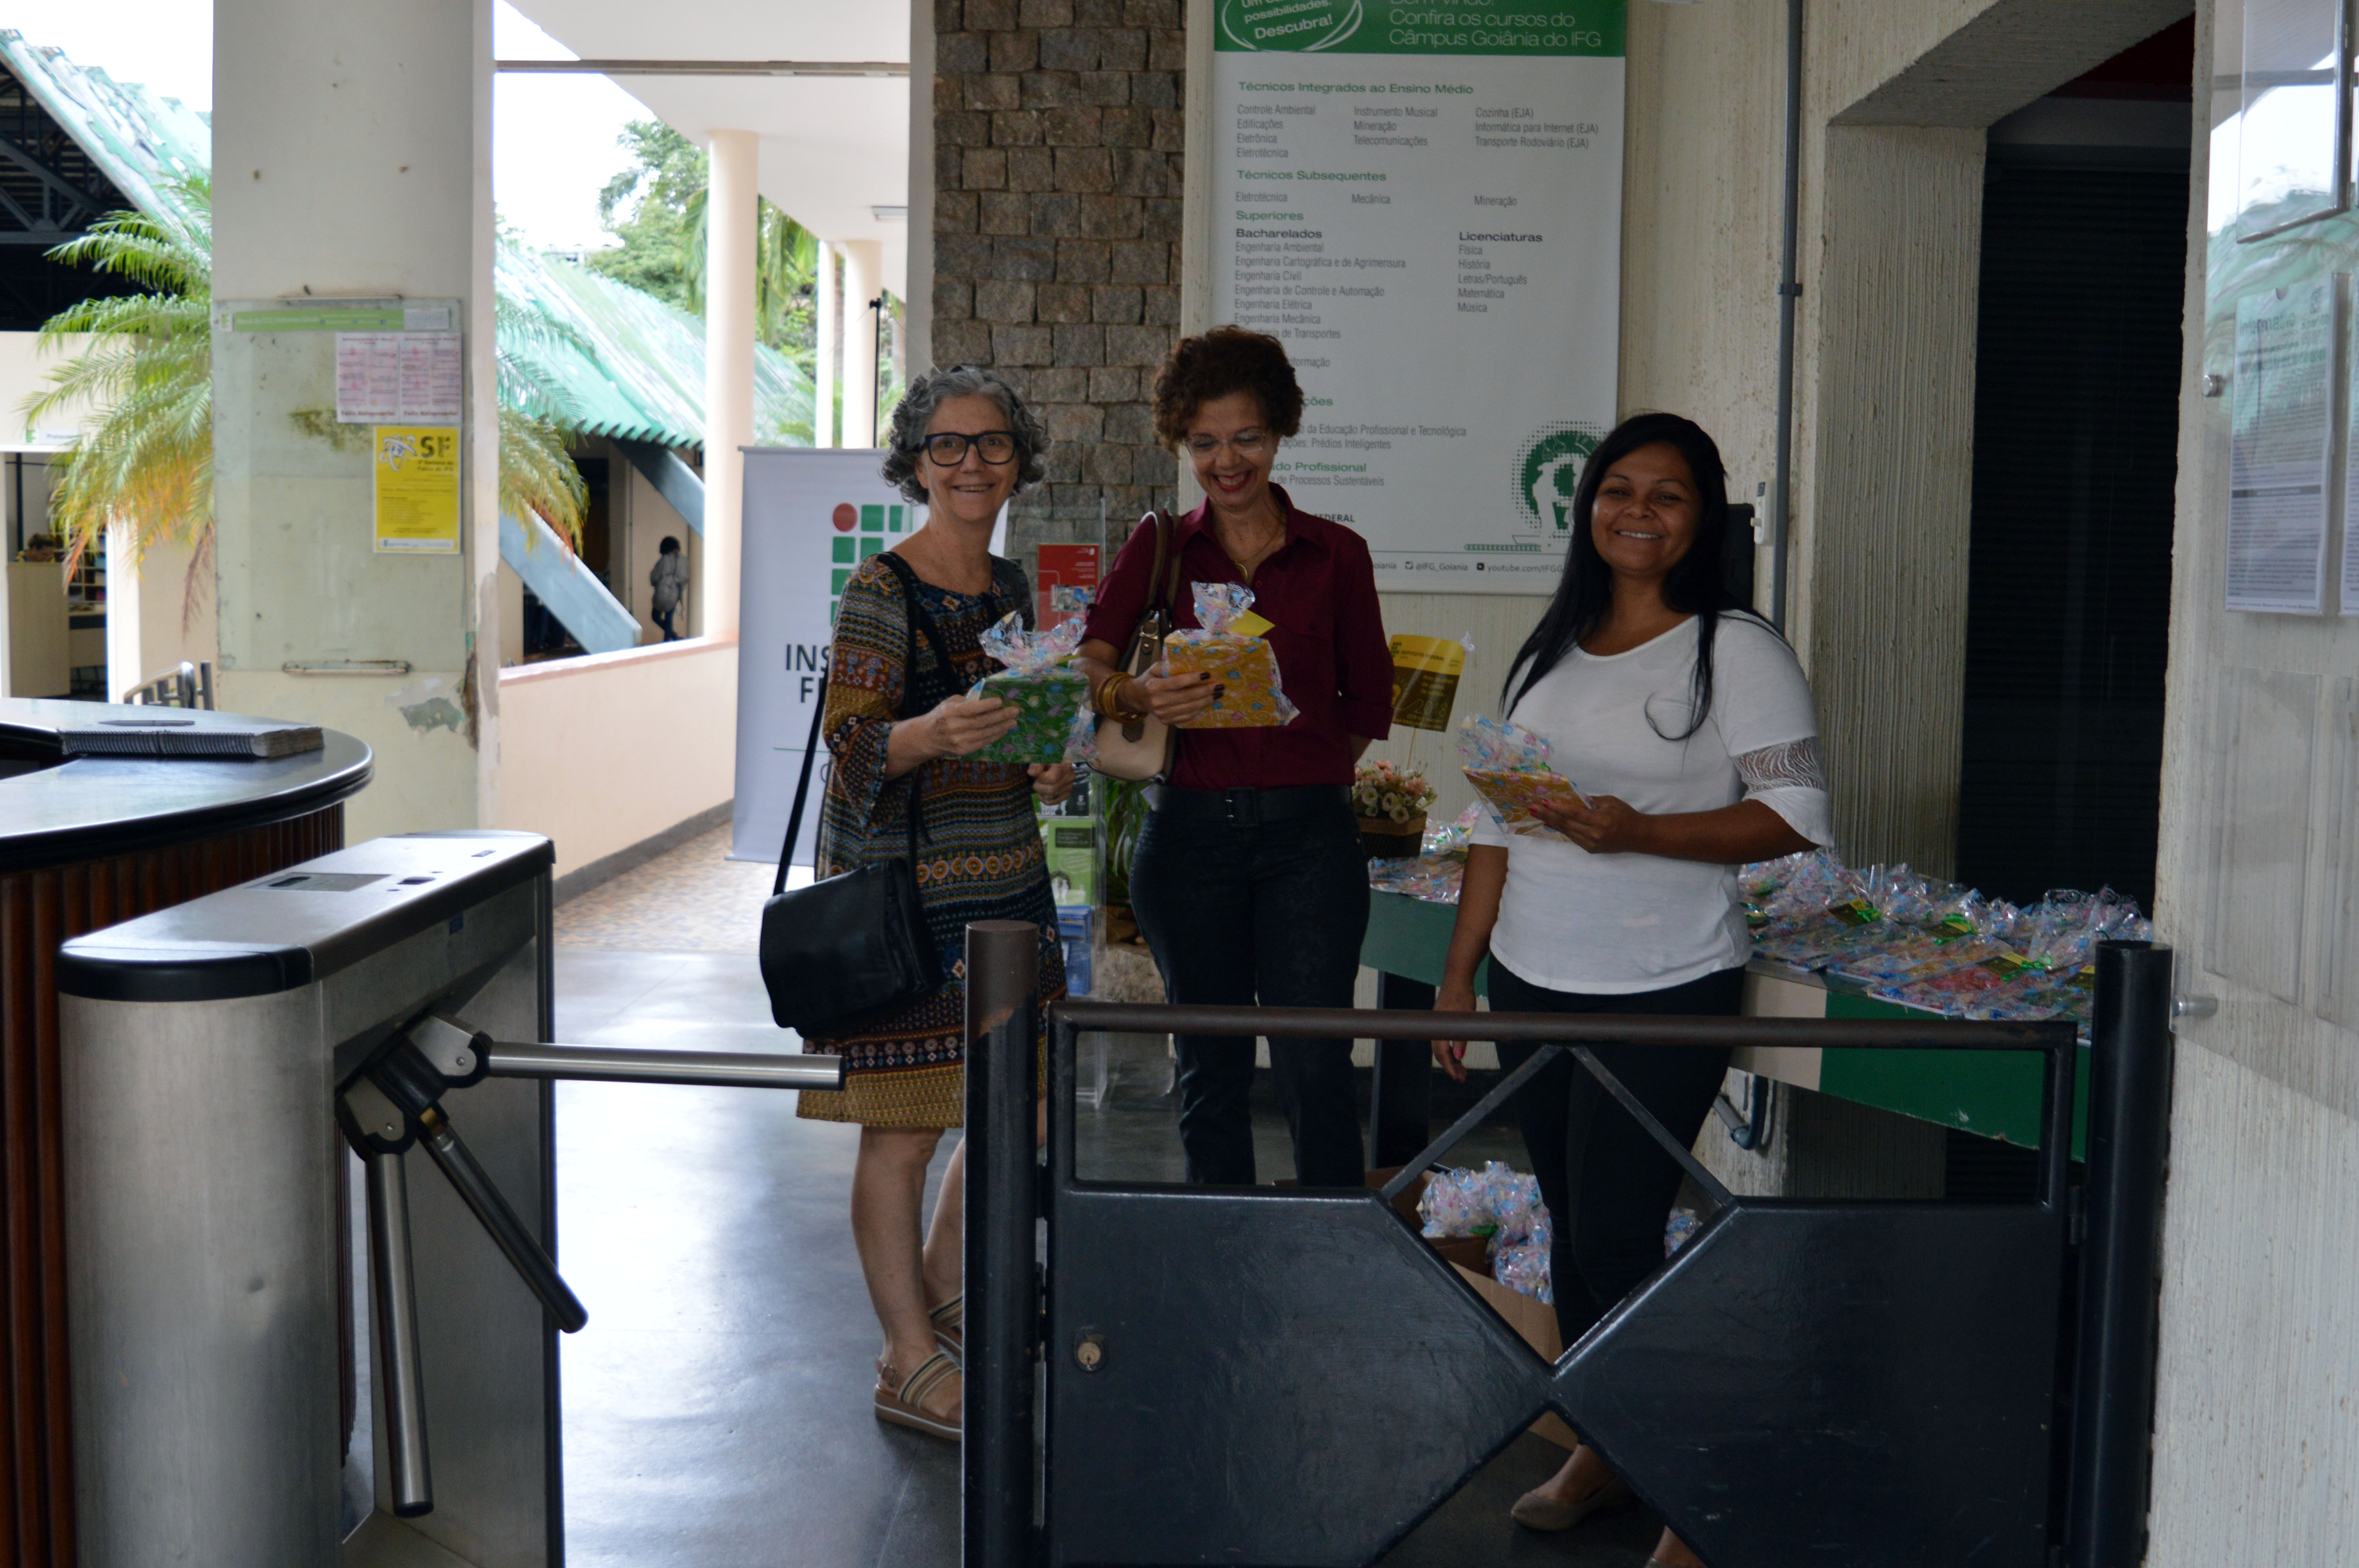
979,855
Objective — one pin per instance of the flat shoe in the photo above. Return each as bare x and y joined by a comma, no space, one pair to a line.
950,1327
906,1407
1535,1510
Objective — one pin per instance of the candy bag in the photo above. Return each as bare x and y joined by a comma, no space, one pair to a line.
1509,766
1246,690
1053,721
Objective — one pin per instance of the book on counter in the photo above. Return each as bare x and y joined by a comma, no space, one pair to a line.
212,739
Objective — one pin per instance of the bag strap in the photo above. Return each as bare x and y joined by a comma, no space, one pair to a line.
802,787
1167,526
917,619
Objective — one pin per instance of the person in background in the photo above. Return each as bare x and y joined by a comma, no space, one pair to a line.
1687,723
1250,881
669,577
900,726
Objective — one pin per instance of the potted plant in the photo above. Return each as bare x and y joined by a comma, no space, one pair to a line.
1390,803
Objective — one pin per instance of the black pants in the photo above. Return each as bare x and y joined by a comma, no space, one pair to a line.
1608,1185
663,619
1258,897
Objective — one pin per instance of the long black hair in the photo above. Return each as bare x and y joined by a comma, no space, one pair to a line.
1695,585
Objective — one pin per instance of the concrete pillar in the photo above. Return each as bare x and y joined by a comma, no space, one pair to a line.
824,307
729,215
124,604
352,165
863,280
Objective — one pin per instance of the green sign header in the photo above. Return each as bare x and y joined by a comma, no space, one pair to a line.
1369,27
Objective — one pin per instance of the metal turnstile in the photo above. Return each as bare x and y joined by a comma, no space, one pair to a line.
221,1057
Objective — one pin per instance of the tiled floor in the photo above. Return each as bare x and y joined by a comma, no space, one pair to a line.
717,1407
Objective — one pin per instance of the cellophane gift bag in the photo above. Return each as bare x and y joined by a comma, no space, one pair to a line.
1246,690
1053,721
1509,766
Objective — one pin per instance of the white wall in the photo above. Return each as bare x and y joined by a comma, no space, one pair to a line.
25,374
602,753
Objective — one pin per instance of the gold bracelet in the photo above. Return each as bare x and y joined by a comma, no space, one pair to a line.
1109,700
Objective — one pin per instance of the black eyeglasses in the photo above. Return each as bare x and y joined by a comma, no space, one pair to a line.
994,447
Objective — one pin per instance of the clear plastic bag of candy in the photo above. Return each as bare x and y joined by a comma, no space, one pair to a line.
1053,721
1246,694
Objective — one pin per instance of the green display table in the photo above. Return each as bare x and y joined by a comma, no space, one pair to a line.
1994,1096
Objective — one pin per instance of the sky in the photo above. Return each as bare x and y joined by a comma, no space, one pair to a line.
553,136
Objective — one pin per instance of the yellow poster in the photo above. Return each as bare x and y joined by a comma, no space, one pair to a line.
1424,680
418,489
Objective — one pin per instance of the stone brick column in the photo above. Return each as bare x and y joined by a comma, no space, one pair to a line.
1057,194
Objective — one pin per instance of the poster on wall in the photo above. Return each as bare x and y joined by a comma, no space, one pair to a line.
1425,206
811,517
2279,444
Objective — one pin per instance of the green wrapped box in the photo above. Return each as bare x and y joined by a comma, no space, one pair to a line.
1051,715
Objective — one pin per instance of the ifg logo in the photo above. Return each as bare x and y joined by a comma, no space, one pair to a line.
1547,472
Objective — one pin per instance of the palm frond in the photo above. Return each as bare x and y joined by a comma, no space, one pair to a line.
538,476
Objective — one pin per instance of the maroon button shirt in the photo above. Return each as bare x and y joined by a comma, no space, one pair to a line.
1318,592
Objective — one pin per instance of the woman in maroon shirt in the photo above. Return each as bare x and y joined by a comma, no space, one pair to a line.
1250,881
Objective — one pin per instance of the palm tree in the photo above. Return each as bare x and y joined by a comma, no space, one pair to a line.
148,461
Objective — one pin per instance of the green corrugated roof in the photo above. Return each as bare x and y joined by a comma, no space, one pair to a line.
639,371
143,141
643,376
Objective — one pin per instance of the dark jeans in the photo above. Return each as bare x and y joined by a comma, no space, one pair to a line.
663,619
1258,897
1608,1185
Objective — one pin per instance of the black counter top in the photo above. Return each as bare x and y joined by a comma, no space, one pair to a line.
56,810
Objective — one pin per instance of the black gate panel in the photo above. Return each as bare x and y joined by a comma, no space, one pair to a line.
1248,1347
1863,1386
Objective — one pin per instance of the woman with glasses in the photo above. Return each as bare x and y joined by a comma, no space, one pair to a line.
1250,881
899,727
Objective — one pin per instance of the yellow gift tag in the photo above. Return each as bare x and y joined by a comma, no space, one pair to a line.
1251,625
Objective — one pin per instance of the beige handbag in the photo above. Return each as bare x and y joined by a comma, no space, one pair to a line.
1143,748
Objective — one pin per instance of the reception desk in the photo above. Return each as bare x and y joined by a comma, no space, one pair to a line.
86,843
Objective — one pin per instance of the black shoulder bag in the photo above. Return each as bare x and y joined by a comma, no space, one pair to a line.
857,944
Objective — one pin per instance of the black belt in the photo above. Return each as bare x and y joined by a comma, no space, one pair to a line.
1249,807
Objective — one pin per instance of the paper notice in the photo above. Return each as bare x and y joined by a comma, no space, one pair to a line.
2279,448
368,377
400,378
417,490
431,377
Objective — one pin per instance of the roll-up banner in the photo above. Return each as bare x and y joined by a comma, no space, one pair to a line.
811,516
1424,204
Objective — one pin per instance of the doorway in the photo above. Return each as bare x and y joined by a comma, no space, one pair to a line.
2076,435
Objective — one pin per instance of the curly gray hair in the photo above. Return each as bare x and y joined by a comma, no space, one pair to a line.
915,411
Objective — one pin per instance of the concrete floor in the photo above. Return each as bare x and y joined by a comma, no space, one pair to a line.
717,1409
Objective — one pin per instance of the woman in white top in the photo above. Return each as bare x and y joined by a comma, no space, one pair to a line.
1687,723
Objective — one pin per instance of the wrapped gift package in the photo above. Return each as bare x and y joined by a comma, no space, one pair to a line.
1246,694
1512,793
1053,721
1509,766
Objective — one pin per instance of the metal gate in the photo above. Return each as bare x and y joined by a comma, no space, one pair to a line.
1165,1375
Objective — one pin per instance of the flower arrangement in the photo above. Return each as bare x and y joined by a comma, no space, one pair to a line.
1383,792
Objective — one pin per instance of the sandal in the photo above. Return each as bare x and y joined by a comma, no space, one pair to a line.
907,1406
950,1327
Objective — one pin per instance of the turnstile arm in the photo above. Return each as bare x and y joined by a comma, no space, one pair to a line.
394,1297
606,1063
506,1231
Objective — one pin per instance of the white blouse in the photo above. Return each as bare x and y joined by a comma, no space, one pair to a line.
1572,920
